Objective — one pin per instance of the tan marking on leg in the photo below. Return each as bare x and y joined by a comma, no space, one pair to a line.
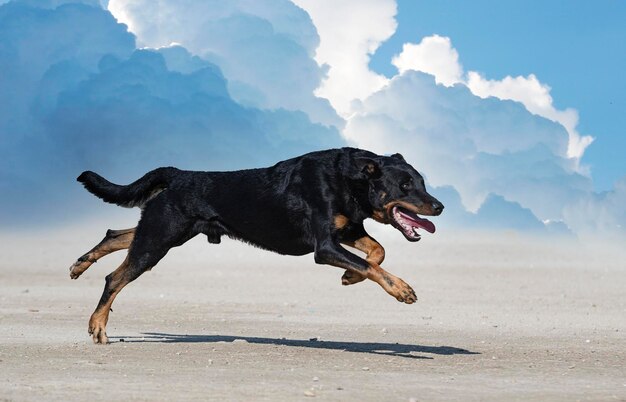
391,283
114,240
98,321
341,221
375,254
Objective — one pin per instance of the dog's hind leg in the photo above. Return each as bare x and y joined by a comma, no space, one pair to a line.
156,234
139,260
114,240
115,281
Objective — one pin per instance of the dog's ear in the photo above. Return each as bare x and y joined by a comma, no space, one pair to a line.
367,168
399,157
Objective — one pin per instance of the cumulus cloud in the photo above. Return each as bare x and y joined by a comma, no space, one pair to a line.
435,55
83,97
264,48
537,99
350,32
35,42
138,113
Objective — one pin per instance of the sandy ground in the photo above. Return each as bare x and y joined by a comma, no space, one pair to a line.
500,318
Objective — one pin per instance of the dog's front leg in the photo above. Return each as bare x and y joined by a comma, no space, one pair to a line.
331,253
375,254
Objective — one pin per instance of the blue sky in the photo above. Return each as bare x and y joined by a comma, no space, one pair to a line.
494,103
576,47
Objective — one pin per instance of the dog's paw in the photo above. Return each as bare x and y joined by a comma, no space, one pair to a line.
402,291
97,330
80,266
351,277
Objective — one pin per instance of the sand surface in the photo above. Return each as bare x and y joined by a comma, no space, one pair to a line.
500,318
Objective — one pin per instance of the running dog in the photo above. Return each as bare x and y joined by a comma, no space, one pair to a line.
309,204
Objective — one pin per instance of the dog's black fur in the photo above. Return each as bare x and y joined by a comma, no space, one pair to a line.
309,204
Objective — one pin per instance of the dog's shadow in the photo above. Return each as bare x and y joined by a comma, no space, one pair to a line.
390,349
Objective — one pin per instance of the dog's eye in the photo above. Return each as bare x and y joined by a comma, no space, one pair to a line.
406,185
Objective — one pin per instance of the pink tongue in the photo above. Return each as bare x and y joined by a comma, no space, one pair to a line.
419,222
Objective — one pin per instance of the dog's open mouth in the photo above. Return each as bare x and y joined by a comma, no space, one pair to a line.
408,223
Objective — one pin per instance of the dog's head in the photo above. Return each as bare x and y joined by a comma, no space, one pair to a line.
397,195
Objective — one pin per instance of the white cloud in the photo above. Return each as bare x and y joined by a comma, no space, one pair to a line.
350,32
264,48
537,99
433,55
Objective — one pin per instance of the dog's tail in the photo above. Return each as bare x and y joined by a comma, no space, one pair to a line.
136,194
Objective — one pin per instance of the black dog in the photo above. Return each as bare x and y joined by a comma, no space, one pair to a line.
308,204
